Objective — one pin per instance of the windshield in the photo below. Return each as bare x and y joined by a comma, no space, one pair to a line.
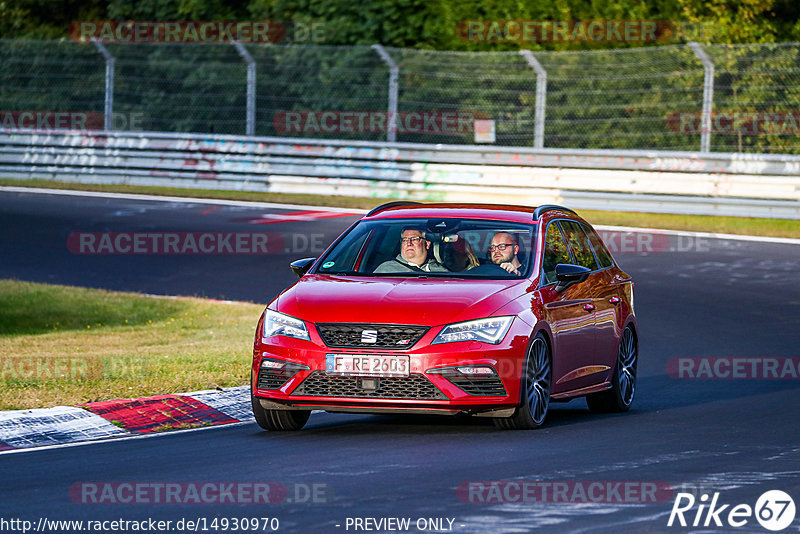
424,247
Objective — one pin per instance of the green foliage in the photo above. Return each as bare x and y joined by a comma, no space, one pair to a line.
745,21
616,96
200,10
46,19
185,88
419,23
50,75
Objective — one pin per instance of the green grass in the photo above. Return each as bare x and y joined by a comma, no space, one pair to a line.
700,223
116,345
72,308
697,223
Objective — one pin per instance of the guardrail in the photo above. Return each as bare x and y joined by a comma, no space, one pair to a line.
652,181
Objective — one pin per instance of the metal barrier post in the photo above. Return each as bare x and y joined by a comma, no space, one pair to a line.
250,128
708,95
108,113
394,71
541,98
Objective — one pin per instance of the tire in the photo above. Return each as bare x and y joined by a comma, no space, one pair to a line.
279,419
623,384
534,389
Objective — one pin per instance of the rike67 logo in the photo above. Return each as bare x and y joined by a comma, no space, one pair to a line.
774,510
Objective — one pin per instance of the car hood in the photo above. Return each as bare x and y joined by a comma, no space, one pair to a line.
430,302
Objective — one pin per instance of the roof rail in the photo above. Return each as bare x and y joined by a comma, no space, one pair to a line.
547,207
394,203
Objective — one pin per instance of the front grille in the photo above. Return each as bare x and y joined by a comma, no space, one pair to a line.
322,384
359,336
483,386
270,378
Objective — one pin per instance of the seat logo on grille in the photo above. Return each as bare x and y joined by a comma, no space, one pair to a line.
369,336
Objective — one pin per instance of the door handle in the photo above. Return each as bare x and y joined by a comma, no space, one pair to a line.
589,307
614,300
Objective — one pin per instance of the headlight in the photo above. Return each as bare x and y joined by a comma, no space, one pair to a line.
279,324
490,330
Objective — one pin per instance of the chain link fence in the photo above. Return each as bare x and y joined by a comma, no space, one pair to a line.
741,98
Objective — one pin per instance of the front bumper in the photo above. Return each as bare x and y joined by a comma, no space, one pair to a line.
433,385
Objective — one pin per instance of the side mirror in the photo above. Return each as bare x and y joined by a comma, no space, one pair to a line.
301,267
568,274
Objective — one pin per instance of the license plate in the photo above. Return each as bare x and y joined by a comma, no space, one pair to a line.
366,365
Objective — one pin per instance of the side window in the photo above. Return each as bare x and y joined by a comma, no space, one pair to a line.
579,244
384,244
555,252
600,250
348,250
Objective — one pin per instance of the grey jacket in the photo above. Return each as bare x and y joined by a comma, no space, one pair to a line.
399,265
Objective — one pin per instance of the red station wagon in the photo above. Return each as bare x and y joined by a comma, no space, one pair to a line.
494,311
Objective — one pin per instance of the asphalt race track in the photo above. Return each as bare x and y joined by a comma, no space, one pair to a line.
708,298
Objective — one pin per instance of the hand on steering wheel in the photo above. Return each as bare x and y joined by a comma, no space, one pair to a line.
510,268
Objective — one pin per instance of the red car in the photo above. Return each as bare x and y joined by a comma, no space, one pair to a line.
486,310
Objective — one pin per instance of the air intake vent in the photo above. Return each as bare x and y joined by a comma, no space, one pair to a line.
277,373
480,385
415,386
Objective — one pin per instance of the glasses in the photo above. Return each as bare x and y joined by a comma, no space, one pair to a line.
500,246
410,240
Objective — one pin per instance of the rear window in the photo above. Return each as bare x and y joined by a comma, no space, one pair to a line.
600,250
555,252
432,247
579,244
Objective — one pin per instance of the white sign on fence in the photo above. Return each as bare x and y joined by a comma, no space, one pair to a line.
484,131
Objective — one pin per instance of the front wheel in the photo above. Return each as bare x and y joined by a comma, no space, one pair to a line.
534,389
278,419
623,384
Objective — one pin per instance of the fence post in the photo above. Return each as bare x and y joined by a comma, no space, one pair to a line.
394,72
250,127
708,95
541,98
108,112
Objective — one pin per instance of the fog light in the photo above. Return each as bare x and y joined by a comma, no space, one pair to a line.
272,364
476,371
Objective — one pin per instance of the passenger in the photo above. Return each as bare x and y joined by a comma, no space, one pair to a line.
503,252
458,255
413,255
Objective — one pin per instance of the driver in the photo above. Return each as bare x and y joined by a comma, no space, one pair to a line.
504,250
413,255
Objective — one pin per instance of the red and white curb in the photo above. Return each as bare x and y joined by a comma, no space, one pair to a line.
22,429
